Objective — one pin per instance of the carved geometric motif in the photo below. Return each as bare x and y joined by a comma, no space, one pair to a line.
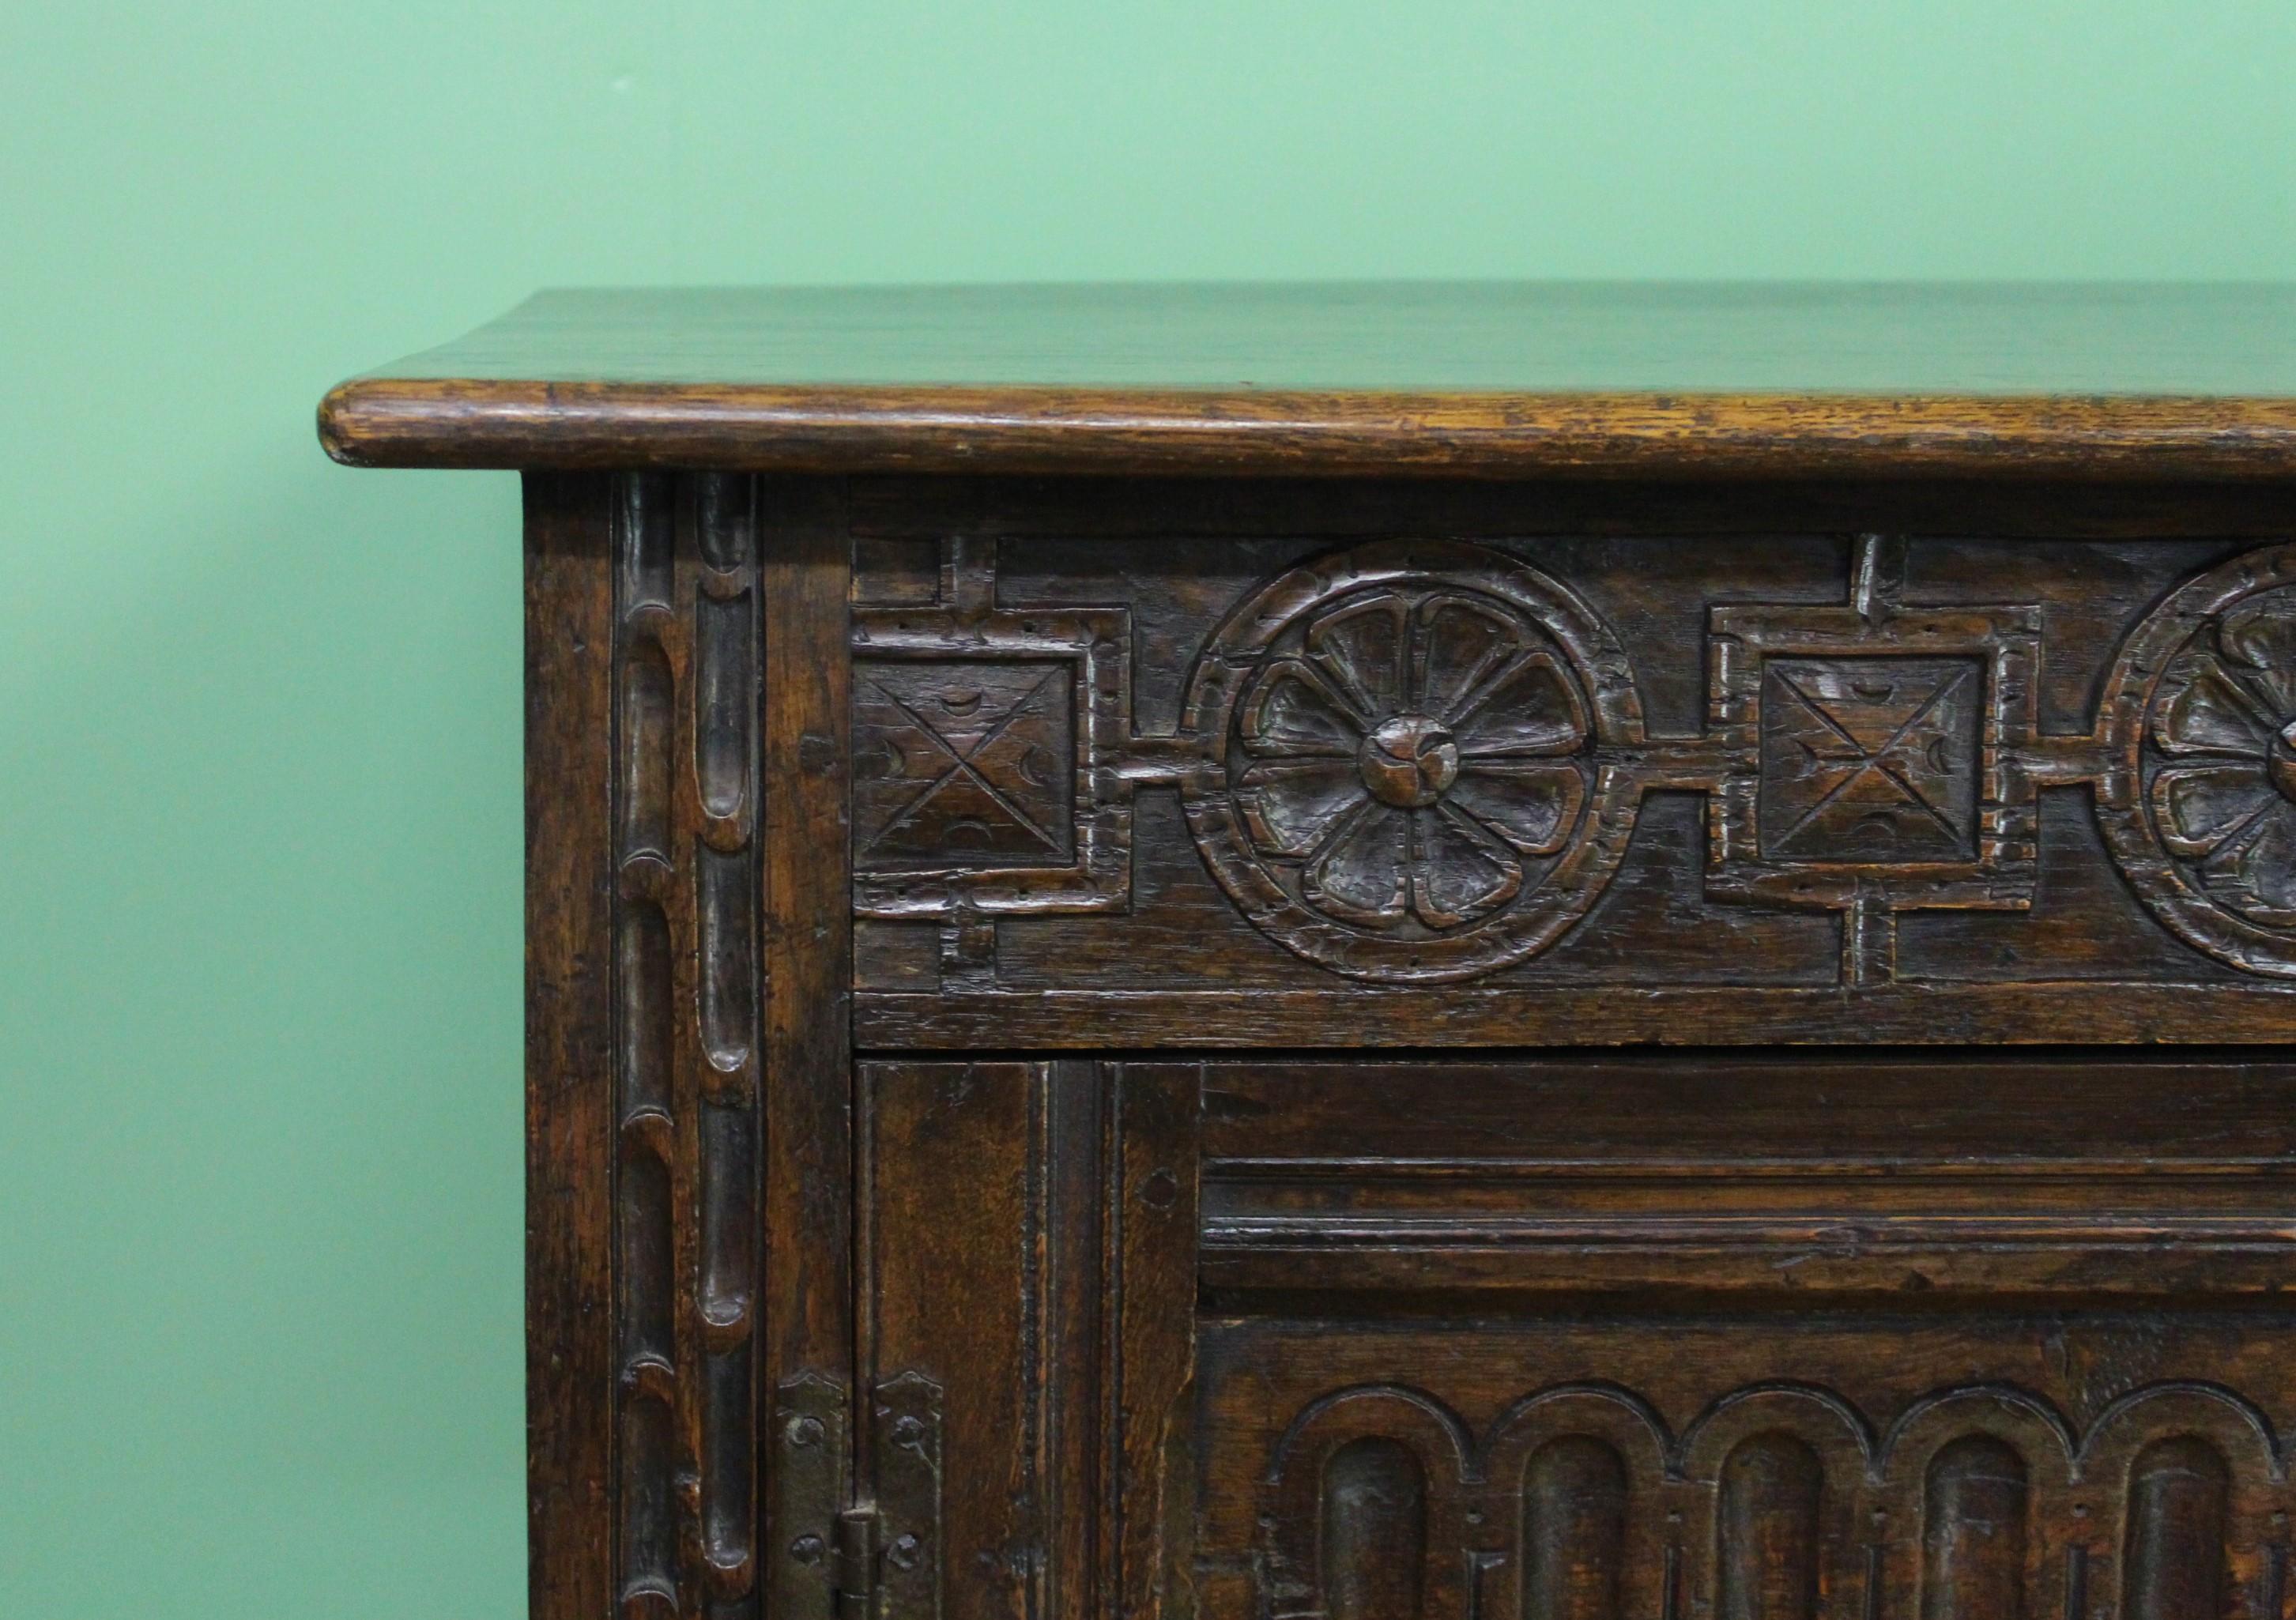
1871,759
1412,768
1413,752
1416,761
2198,802
1875,756
984,742
966,763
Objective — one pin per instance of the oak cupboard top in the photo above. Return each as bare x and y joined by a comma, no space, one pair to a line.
1475,378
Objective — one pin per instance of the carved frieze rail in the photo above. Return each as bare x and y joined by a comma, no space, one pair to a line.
1416,762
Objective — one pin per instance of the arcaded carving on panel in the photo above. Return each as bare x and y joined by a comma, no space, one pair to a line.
1581,1500
1414,769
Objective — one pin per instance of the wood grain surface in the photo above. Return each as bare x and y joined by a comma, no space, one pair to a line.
1478,379
1410,1049
571,1268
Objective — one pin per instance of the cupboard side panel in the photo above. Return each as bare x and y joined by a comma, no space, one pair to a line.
569,1042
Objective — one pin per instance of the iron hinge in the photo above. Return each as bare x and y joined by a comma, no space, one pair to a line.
837,1559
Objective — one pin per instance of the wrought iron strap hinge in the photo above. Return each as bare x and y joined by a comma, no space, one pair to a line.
835,1559
905,1455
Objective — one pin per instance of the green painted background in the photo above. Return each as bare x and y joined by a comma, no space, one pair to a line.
259,1206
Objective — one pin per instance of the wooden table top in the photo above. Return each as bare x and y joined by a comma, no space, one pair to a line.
1479,379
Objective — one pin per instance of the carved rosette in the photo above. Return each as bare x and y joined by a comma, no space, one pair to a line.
2199,801
1411,778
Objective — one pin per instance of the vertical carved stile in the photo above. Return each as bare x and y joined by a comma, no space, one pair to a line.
1574,1530
1767,1530
806,1342
2173,1561
1374,1544
1974,1508
646,1051
686,970
727,692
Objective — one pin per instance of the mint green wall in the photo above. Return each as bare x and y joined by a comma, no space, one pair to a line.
260,1208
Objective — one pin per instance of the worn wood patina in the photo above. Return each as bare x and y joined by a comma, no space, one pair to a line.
1403,954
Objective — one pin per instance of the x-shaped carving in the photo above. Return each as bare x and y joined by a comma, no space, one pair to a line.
971,761
1899,757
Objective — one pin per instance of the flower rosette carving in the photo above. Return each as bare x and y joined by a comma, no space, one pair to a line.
1411,761
2201,811
1414,756
2224,800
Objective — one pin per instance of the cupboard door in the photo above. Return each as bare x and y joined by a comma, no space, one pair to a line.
1672,1335
1766,1334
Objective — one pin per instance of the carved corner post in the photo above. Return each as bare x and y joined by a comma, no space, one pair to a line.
688,1069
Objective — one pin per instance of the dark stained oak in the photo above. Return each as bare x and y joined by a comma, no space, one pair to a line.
571,1223
1338,1041
1484,380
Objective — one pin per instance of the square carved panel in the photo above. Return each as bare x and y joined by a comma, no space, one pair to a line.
1873,755
1871,759
984,739
968,762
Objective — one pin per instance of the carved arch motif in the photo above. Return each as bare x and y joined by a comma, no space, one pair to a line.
1778,1498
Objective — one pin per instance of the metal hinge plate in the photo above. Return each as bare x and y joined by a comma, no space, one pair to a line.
835,1560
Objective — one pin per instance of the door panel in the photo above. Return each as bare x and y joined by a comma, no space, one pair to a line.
1783,1462
1697,1334
1745,1334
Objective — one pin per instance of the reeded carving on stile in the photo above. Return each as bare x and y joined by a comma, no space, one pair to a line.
1414,752
2198,804
1778,1500
685,974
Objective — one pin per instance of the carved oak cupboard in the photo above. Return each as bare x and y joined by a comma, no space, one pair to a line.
1403,954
